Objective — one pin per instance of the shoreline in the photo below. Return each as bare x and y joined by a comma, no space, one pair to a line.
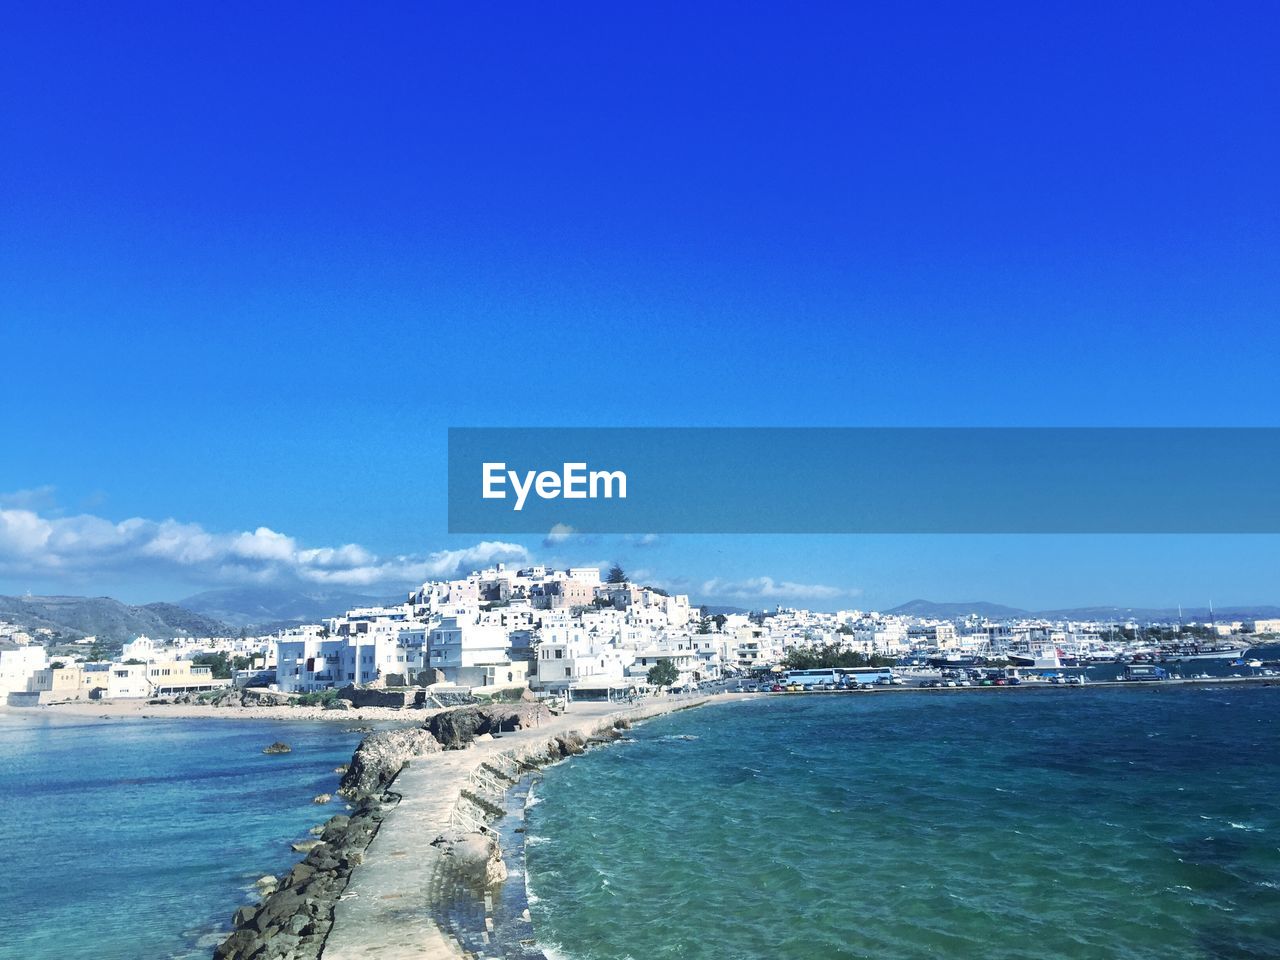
140,709
107,710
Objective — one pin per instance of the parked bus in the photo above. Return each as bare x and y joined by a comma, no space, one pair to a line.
840,676
876,675
812,678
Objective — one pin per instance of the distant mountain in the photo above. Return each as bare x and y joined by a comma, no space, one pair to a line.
996,611
109,620
278,608
952,611
714,609
1141,614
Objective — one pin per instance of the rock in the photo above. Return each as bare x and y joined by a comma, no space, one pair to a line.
478,860
334,829
280,944
306,846
242,943
570,745
266,884
298,924
243,916
457,728
278,747
380,756
340,768
322,798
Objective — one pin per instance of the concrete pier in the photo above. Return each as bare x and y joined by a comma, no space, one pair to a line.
389,909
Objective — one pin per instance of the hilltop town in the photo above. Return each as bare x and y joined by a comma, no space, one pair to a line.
568,633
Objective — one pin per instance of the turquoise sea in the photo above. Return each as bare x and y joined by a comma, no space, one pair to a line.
1071,823
136,839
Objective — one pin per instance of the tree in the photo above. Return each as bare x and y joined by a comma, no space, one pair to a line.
831,655
617,575
663,674
220,663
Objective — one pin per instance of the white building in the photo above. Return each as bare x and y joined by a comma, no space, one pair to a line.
19,665
472,653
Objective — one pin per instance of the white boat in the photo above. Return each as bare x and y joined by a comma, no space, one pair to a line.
1217,651
1036,654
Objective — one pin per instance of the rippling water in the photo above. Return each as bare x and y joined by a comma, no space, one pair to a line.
1073,823
137,839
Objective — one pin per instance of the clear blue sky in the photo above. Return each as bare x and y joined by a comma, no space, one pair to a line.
254,259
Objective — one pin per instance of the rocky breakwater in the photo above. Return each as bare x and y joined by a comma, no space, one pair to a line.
456,729
293,920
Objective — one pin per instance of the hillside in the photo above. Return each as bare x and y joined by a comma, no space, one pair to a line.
951,610
277,608
110,620
996,611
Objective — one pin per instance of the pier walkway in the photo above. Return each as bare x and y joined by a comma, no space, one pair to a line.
389,909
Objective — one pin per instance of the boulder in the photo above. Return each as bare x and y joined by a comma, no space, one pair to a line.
457,728
322,798
477,859
242,943
278,747
380,756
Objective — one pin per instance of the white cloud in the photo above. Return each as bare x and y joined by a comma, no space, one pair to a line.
34,498
558,535
562,534
87,545
766,588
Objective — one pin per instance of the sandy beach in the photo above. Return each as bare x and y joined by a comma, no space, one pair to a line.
142,710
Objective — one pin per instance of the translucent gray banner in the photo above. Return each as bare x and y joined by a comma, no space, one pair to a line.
864,480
